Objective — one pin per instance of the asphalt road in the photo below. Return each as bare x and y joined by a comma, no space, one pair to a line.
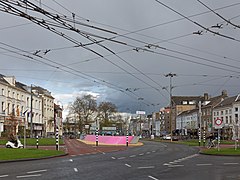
152,161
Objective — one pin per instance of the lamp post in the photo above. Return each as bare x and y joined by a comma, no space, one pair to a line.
171,75
31,112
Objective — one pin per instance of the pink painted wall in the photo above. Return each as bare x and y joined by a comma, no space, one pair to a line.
109,139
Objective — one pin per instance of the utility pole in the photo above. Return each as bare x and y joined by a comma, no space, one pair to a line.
31,110
200,124
171,75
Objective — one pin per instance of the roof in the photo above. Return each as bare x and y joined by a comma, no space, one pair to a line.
228,101
179,99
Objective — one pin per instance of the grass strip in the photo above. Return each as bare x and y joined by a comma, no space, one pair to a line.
33,141
222,151
15,154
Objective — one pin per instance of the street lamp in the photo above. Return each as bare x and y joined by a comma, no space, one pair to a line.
171,75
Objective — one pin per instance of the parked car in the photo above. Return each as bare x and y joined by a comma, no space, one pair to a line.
167,137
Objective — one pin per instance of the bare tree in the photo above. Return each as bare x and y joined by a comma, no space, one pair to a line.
105,109
83,107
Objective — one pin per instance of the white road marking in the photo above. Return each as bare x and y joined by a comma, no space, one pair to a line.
166,164
177,165
113,158
132,156
153,178
141,154
122,158
2,176
27,176
37,171
203,164
128,165
230,163
148,152
146,167
70,160
75,169
153,151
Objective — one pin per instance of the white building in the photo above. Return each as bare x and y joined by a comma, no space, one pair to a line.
187,120
229,112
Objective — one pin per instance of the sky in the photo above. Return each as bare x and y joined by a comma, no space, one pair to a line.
121,51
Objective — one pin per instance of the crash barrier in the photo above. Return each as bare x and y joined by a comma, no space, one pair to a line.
112,140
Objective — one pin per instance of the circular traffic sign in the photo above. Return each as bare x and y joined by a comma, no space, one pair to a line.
218,122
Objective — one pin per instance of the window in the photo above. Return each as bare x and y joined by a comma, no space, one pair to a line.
3,92
226,111
230,119
227,119
3,107
236,109
230,111
9,94
221,112
27,101
184,102
13,94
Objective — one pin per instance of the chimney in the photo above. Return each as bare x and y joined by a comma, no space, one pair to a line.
206,96
224,93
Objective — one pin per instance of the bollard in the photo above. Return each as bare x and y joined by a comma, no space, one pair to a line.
127,139
96,136
37,142
57,139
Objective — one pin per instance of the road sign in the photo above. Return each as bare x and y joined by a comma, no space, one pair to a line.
218,123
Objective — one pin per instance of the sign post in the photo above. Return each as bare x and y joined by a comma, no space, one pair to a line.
218,125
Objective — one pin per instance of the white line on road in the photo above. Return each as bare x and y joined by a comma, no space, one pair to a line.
177,165
75,169
146,167
128,165
113,158
141,154
37,171
153,151
148,152
122,158
203,164
27,176
230,163
132,156
2,176
70,160
152,177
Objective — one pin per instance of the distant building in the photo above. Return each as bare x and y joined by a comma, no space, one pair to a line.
228,110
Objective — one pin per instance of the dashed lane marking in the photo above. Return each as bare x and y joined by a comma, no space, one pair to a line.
230,163
132,156
5,175
177,165
75,169
204,164
122,158
141,154
113,158
128,165
27,176
146,167
153,178
37,171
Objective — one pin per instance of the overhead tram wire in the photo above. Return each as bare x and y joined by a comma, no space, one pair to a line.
94,41
112,52
189,16
71,71
136,32
198,24
228,21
